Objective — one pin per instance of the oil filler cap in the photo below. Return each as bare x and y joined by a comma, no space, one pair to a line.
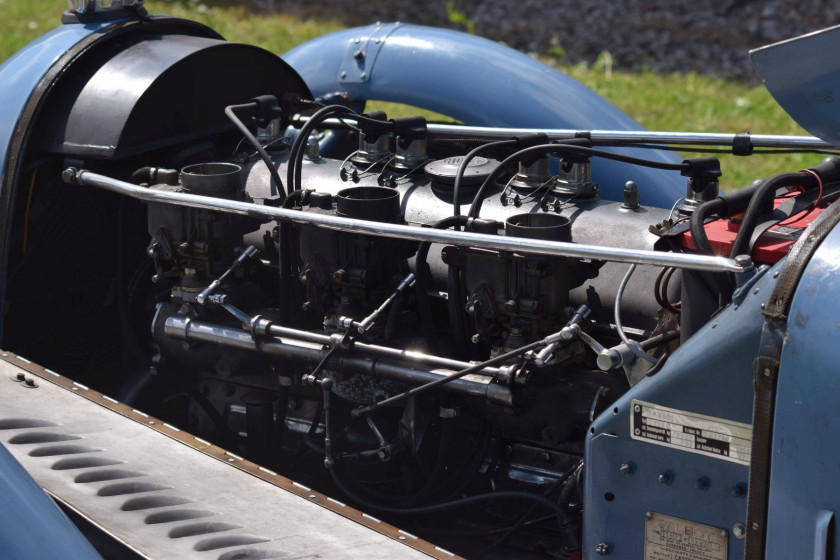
443,171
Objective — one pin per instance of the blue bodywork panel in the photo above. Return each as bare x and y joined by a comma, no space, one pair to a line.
31,525
803,76
709,375
22,73
480,83
805,468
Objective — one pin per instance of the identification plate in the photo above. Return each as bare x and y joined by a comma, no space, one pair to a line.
671,538
695,433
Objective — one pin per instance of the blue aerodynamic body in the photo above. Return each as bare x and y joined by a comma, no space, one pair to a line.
708,434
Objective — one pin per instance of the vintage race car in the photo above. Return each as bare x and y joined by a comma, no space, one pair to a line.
242,318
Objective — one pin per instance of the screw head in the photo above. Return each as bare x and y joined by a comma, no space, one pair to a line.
739,530
626,469
702,483
665,478
737,491
603,549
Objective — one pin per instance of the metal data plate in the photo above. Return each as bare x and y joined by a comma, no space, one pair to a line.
803,75
672,538
168,494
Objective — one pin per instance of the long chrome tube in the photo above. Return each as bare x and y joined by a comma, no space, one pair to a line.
180,327
724,139
644,136
385,351
413,233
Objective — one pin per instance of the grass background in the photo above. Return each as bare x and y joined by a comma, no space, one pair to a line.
672,102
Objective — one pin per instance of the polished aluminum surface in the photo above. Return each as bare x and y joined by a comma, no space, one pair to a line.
168,494
500,243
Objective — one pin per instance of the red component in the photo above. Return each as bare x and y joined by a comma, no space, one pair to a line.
770,248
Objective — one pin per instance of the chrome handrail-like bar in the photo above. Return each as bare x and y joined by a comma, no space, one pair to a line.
181,327
643,136
412,233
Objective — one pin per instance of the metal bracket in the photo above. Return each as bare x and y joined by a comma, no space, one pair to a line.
361,54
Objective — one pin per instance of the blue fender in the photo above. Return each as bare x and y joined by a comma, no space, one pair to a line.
36,67
804,498
479,82
31,525
23,71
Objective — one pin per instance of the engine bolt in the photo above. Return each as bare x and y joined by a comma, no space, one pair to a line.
626,469
631,196
475,339
510,306
20,376
338,275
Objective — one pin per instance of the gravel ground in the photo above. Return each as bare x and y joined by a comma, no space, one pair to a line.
707,36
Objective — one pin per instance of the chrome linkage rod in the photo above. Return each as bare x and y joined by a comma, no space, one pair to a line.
725,139
412,233
643,136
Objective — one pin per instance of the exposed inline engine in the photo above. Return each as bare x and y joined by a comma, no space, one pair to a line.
387,309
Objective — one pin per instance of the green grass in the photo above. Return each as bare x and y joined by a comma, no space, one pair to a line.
674,102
